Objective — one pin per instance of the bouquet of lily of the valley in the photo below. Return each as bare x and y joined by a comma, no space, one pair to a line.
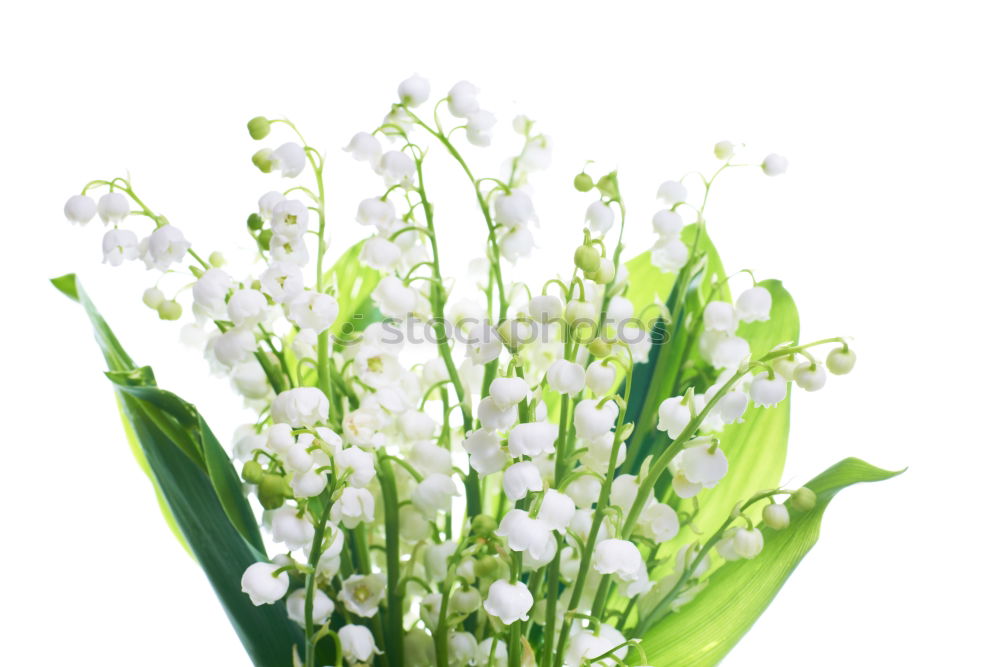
473,471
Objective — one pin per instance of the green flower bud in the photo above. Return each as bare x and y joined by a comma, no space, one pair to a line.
153,297
216,259
583,182
169,310
775,516
262,160
487,567
841,360
587,258
255,222
803,500
599,348
604,274
484,525
272,491
264,239
252,472
259,127
608,186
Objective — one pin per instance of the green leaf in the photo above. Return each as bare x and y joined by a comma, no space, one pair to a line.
200,490
354,282
755,448
702,632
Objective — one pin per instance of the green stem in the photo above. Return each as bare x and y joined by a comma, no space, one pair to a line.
314,554
394,596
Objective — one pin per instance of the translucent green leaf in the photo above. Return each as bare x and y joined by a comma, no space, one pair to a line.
354,283
702,632
190,486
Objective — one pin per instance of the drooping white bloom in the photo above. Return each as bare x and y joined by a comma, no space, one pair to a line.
598,453
478,127
507,392
362,428
667,224
417,425
376,211
513,209
261,584
394,298
308,484
361,594
357,643
210,291
545,308
291,159
436,558
767,391
360,463
566,377
600,377
462,99
282,281
246,307
810,376
376,366
414,91
586,645
363,147
508,601
250,380
672,192
732,406
669,255
267,202
774,165
495,418
697,467
461,648
80,209
289,528
775,515
533,439
313,310
740,542
234,346
433,494
288,249
599,217
280,438
300,407
619,310
113,207
381,253
620,558
487,648
119,245
723,350
485,454
723,150
720,316
557,510
591,421
289,219
841,360
674,416
296,606
517,243
754,305
529,535
659,522
353,507
521,478
165,246
396,168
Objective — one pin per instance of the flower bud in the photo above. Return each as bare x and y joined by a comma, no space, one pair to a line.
255,222
775,516
263,160
217,259
841,360
487,566
774,165
600,348
604,274
153,297
724,150
810,376
272,491
252,472
483,524
545,308
259,127
169,310
261,584
803,499
583,182
465,601
587,259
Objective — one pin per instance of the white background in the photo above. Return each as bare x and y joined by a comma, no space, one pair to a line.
884,228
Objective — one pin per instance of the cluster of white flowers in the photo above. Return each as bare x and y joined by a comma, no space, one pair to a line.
502,481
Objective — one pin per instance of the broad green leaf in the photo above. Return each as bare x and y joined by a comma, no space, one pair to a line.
702,632
354,283
192,495
756,447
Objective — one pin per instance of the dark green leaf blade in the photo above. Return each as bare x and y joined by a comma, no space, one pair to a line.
705,630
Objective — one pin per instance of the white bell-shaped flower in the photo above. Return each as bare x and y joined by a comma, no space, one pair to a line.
282,281
732,406
210,291
362,594
517,243
775,516
267,202
754,305
363,147
290,219
669,255
672,192
598,453
619,310
247,307
313,310
261,584
766,391
165,246
462,648
620,558
433,494
774,165
300,407
591,421
485,455
414,91
586,645
659,522
513,209
507,392
394,298
599,217
478,127
566,377
119,245
556,511
508,601
380,253
667,224
308,484
113,207
355,506
532,439
291,158
720,316
724,150
359,463
528,535
321,609
80,209
600,377
397,168
234,346
841,360
674,416
289,528
495,418
521,478
357,643
463,99
378,212
495,647
545,308
811,376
